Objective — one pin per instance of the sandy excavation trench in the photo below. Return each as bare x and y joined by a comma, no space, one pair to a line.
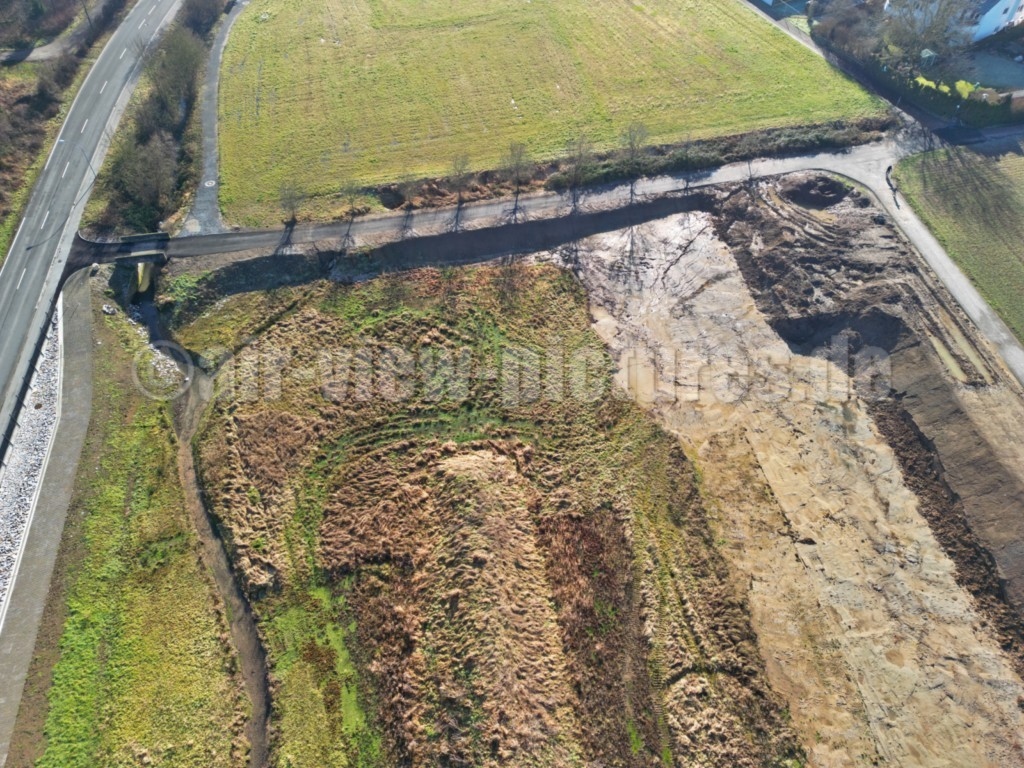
861,453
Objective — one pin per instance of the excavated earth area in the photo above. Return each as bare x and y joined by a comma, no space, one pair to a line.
776,514
861,456
512,576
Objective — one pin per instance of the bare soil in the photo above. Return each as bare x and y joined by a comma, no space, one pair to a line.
830,544
836,405
845,299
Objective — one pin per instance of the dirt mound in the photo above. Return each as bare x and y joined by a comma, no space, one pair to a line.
525,581
813,191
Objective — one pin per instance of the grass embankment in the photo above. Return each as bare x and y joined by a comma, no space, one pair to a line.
974,205
480,560
327,93
144,675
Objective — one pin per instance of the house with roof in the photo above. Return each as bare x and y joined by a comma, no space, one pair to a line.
990,16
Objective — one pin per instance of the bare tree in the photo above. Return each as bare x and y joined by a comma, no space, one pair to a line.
517,168
349,194
291,198
852,25
201,15
634,141
580,153
460,177
85,8
941,25
407,186
143,180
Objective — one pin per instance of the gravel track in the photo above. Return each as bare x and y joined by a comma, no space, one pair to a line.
19,481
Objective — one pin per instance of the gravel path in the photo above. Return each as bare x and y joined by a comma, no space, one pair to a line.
19,481
204,217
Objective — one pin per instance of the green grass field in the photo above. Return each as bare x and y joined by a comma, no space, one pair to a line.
322,92
974,204
143,676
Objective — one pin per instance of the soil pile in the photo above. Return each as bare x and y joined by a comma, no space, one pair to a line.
519,561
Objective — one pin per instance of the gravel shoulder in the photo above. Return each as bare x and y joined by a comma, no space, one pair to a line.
27,597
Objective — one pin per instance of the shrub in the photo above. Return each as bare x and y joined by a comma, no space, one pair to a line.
200,15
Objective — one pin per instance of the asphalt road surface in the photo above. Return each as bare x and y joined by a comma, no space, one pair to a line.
865,164
31,273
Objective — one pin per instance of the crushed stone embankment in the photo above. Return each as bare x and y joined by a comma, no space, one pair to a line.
19,480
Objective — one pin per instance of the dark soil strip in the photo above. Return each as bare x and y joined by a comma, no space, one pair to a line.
943,509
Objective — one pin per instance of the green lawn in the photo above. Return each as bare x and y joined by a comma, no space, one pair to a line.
974,204
144,675
320,92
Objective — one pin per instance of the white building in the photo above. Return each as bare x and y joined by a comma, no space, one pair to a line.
987,16
994,15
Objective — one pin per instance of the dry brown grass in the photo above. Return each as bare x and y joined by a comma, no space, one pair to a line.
517,583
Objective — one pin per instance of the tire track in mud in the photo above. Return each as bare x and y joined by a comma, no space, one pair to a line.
862,319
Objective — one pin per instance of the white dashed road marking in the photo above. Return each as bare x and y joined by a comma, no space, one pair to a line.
65,169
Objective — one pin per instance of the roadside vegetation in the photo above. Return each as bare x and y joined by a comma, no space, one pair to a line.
30,110
974,204
145,675
916,49
153,162
335,94
457,572
33,97
25,23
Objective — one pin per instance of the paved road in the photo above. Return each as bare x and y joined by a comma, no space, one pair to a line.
30,276
865,164
26,600
870,159
205,213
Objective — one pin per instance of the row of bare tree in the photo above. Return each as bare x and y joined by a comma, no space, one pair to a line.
151,166
518,168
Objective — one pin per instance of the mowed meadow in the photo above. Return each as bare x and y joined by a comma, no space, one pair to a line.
326,93
974,204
